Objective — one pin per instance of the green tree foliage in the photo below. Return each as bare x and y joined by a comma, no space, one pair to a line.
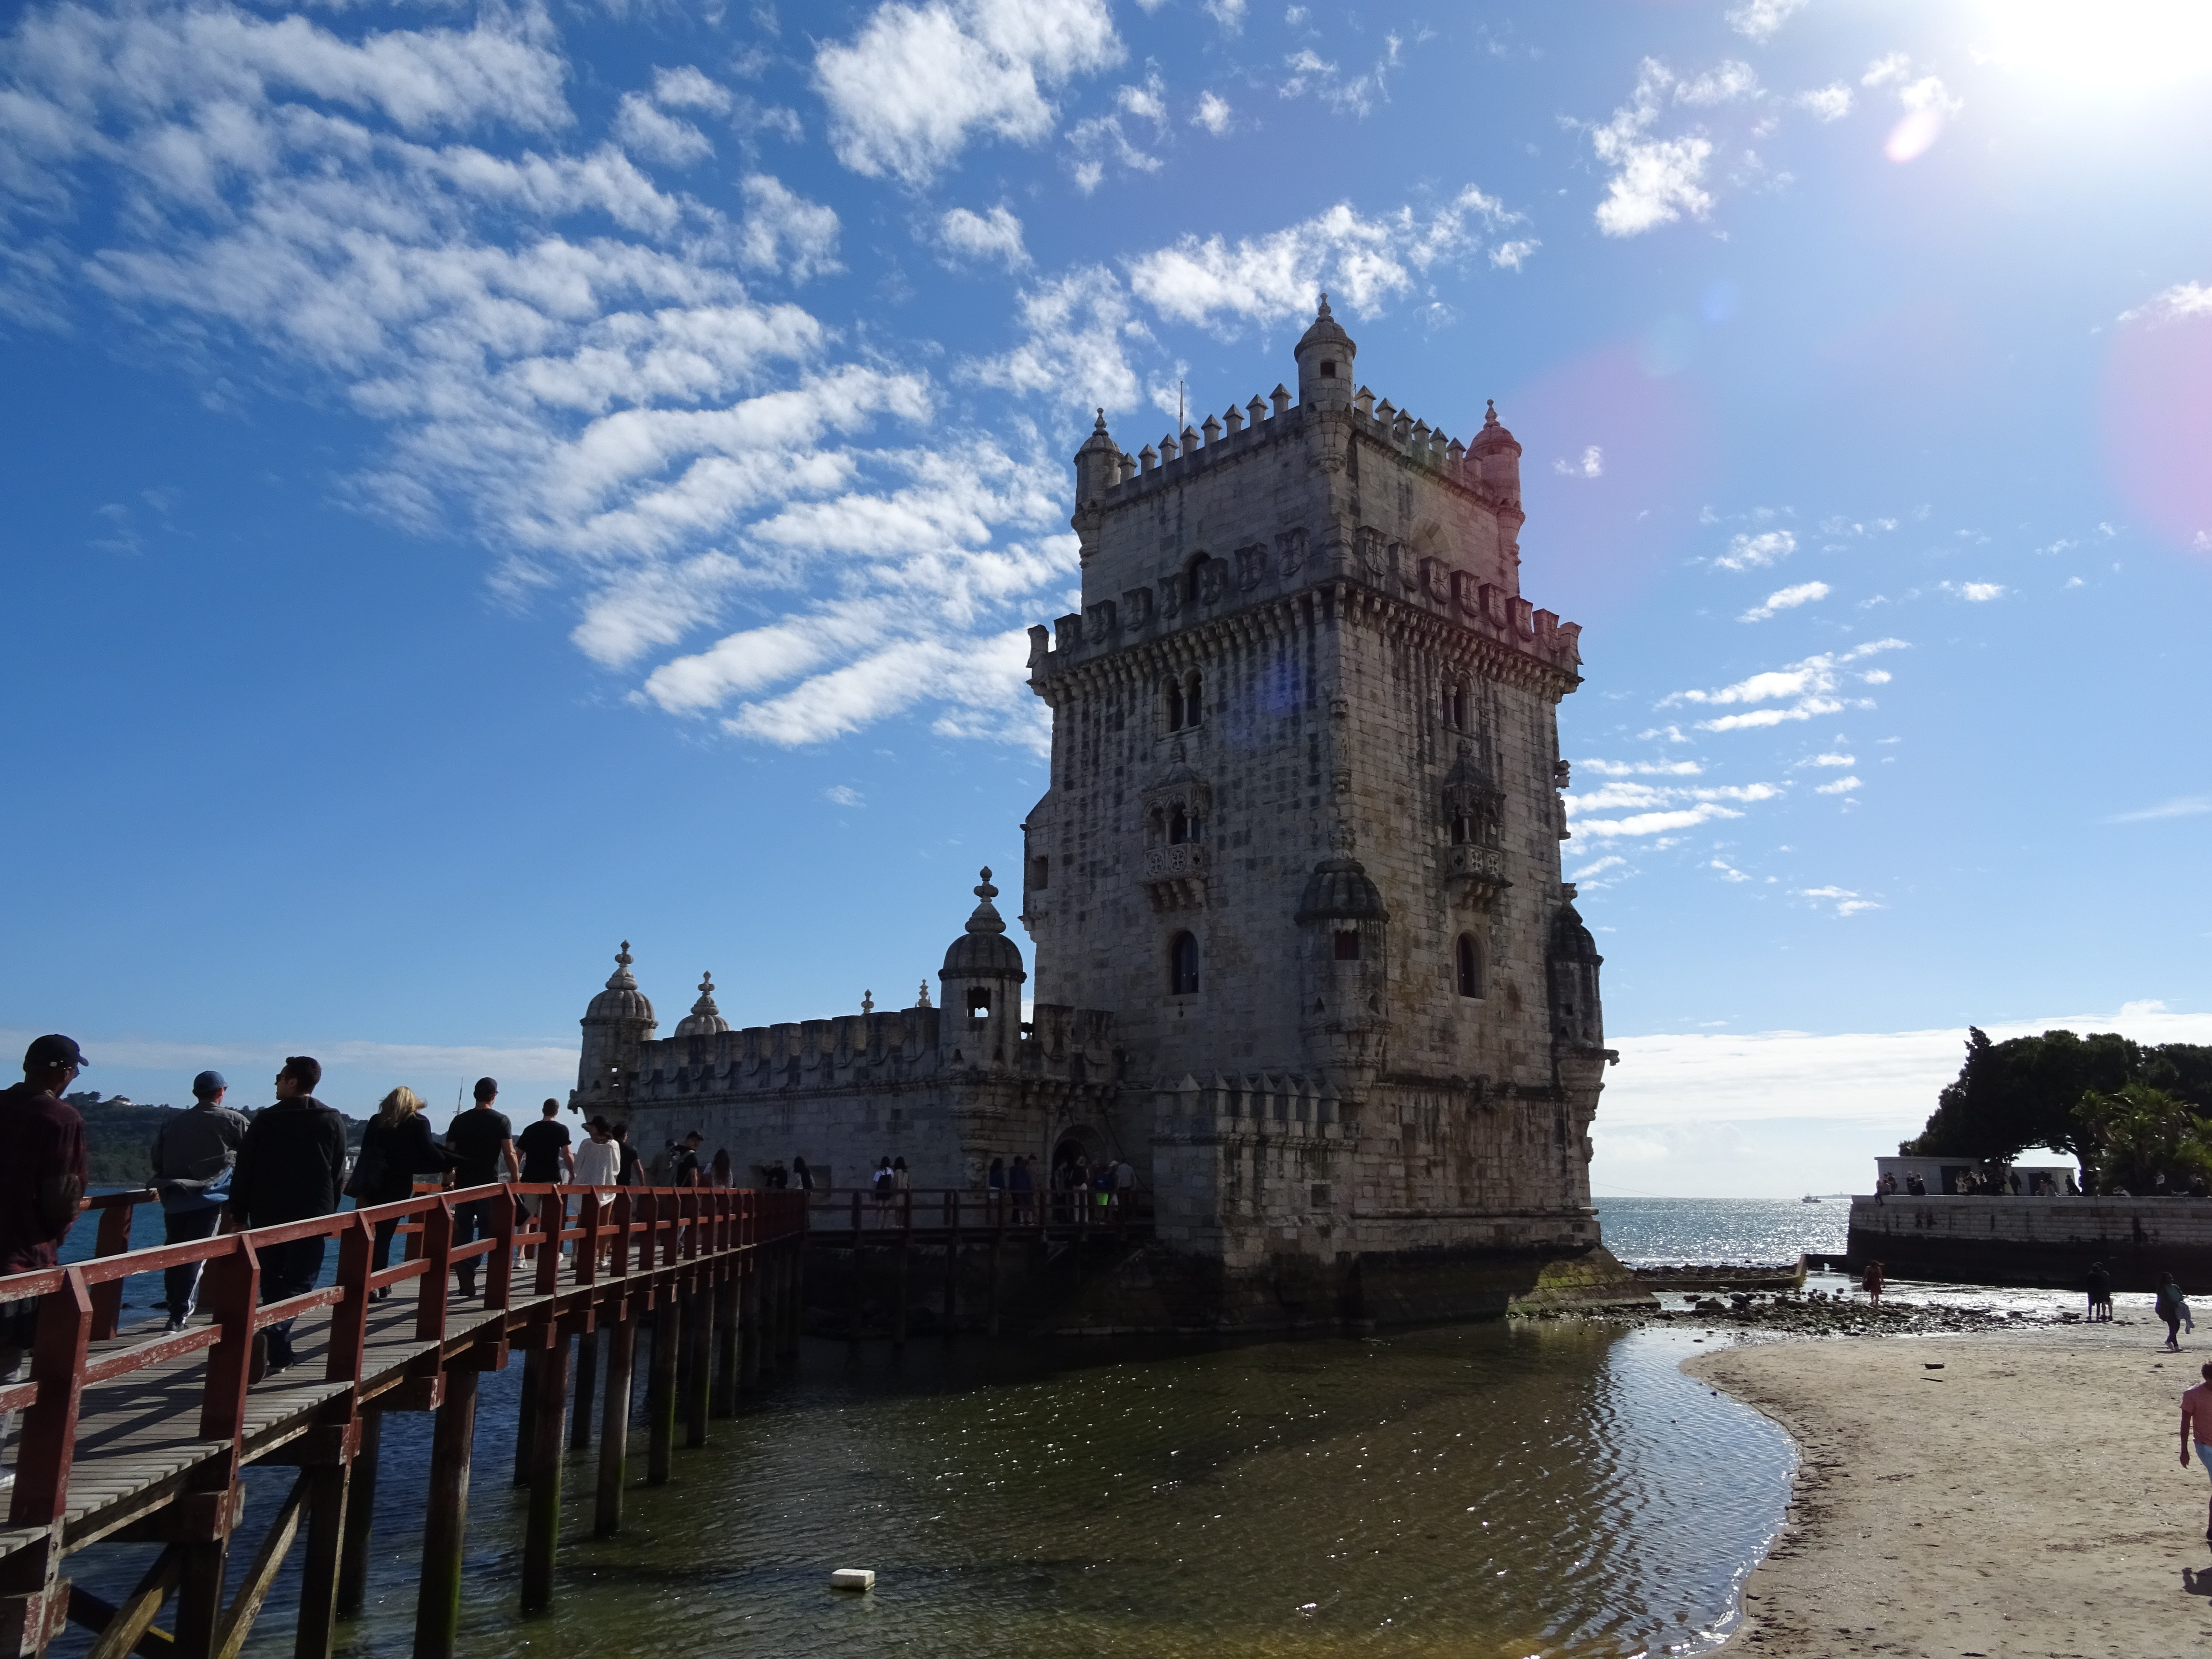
2143,1132
2025,1092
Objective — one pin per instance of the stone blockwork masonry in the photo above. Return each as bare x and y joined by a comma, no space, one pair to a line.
1303,955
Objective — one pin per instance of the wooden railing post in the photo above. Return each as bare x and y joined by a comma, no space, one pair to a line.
232,1287
113,1239
499,1283
437,1279
350,1318
49,1426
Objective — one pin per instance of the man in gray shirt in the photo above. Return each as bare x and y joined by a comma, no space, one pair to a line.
193,1157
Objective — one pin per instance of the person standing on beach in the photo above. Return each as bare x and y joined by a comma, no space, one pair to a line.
1874,1282
291,1167
2169,1307
481,1143
42,1180
191,1159
2197,1428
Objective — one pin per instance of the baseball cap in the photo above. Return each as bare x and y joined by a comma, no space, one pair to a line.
209,1082
54,1050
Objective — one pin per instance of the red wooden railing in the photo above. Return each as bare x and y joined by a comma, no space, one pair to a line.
642,1229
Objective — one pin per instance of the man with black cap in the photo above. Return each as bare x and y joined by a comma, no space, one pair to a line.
42,1180
290,1167
192,1155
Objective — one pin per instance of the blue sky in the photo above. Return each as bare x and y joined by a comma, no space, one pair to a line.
486,483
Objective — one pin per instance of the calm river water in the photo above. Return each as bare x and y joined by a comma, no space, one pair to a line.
1494,1490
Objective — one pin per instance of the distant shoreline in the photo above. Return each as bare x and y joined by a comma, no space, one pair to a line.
1919,1522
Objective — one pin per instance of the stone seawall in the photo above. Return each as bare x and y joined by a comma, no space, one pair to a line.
2050,1242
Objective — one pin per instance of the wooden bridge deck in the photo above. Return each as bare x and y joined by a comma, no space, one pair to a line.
142,1437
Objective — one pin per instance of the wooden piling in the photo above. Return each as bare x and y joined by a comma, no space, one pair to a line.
360,1518
542,1539
327,1495
614,1431
587,1376
698,1338
750,1328
444,1520
525,1428
660,1390
723,1402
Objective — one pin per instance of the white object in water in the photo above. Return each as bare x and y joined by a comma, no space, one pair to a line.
853,1578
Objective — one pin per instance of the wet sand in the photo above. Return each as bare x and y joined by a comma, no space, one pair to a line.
2023,1501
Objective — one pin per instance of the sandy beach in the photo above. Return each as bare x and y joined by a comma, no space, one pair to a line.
2024,1500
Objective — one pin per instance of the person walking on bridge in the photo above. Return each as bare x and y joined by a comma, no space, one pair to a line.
291,1167
480,1142
191,1159
42,1180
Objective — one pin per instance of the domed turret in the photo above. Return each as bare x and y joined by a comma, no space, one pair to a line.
982,979
1495,456
1325,353
705,1019
616,1024
1571,962
1098,467
1344,973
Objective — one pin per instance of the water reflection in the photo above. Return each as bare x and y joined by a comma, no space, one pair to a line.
1483,1491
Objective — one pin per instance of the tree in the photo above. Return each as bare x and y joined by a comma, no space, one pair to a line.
2143,1132
2022,1092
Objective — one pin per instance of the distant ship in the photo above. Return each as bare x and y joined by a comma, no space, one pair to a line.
1808,1198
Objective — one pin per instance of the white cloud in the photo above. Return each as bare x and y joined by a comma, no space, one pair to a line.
1727,82
1611,862
1654,823
1810,685
1657,808
1362,262
1655,180
1786,599
1847,903
1765,547
1728,871
1840,786
1830,760
2182,806
1975,592
843,794
1512,256
994,236
1230,14
908,92
1759,20
1148,102
1643,768
2173,304
605,405
1357,95
1074,329
645,130
1591,465
785,233
1828,103
1213,114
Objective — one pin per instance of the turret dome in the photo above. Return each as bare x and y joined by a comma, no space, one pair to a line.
1325,353
621,999
705,1019
984,950
1340,889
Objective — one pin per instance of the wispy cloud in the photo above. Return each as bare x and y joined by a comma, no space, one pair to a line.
1844,900
2181,806
1752,549
1809,687
1786,599
1760,20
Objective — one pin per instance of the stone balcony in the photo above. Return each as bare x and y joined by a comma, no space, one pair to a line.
1175,877
1474,873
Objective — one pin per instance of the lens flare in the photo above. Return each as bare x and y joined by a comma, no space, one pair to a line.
2158,414
2112,46
1910,138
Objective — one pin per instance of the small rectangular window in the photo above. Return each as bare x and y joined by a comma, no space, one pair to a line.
1348,947
1041,872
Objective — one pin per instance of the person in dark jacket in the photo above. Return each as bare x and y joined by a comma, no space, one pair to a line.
396,1147
291,1168
42,1177
633,1166
480,1145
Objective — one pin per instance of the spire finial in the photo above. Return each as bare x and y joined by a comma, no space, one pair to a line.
867,1002
984,890
1324,302
924,1001
1490,416
985,920
1101,426
622,955
620,979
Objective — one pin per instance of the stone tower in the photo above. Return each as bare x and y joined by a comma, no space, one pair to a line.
616,1025
1303,834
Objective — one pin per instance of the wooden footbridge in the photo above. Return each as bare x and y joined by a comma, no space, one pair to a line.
126,1438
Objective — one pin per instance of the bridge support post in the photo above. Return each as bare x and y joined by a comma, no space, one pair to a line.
588,1379
723,1402
525,1427
444,1520
542,1538
614,1431
699,1340
360,1518
327,1501
750,1327
794,1269
898,1295
660,1387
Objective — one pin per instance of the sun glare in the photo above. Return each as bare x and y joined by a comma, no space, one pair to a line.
2111,46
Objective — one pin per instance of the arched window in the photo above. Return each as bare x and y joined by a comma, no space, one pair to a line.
1347,945
1191,704
1174,709
1459,827
978,1002
1467,966
1455,707
1159,826
1178,828
1183,965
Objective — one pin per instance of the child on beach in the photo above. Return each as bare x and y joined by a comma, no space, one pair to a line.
2195,1424
1874,1282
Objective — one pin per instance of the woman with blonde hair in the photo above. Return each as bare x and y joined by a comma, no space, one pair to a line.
395,1148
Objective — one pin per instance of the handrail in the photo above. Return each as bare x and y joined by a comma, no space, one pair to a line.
673,1229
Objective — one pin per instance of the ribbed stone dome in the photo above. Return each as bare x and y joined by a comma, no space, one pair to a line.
1325,330
621,999
1493,436
1340,891
984,950
1571,940
705,1019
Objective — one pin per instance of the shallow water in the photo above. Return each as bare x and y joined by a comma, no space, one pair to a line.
1654,1231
